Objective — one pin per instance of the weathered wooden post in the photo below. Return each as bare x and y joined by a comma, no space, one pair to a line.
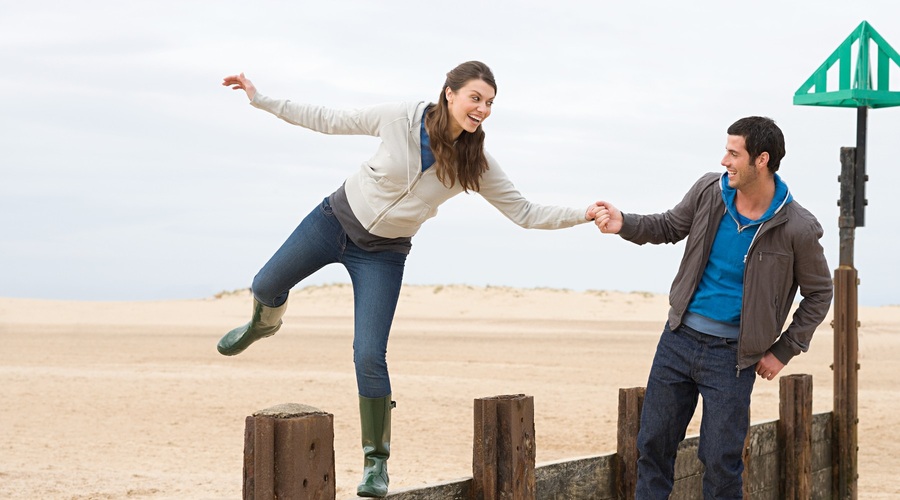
631,401
503,452
289,453
854,90
795,436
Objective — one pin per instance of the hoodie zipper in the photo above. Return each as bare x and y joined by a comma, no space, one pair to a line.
394,203
410,184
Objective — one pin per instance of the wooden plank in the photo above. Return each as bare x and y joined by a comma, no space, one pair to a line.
304,457
460,489
795,436
846,355
522,449
763,478
249,479
822,465
484,447
766,475
821,442
589,478
687,463
770,492
503,451
631,402
821,485
688,488
596,477
289,453
763,438
259,477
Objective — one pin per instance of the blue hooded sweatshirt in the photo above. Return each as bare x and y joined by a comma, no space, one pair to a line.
715,308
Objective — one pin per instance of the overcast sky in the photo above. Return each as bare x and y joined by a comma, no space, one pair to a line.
127,172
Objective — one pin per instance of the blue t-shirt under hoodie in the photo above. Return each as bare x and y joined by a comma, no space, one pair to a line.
715,308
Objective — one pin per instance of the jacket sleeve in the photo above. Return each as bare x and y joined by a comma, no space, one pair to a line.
814,281
500,192
672,225
358,121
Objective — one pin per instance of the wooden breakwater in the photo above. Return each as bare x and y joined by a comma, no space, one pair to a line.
789,458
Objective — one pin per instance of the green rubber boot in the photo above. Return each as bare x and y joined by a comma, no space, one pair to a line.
375,420
264,323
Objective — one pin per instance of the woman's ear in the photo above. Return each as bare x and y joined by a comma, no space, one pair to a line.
448,94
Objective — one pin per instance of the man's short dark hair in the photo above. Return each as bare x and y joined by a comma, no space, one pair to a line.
761,135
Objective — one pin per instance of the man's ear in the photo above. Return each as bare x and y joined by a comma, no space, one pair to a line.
762,160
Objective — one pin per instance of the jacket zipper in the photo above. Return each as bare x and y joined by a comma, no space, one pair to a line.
763,228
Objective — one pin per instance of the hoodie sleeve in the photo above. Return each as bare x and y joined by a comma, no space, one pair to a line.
353,121
500,192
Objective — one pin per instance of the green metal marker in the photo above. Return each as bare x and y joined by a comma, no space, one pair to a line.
854,90
854,84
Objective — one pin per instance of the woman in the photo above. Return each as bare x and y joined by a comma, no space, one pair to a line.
428,154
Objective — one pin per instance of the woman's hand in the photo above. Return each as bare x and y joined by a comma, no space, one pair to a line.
240,82
591,211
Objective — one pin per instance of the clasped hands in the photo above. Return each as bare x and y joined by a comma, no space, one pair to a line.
606,216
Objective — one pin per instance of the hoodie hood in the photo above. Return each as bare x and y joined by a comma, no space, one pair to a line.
782,197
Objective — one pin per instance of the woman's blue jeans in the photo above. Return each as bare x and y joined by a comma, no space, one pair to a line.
689,364
320,240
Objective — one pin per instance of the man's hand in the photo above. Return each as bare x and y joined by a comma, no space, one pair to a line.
768,366
591,211
607,217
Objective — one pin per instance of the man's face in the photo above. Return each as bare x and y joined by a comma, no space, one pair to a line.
741,172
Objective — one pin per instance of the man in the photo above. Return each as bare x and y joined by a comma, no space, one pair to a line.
749,247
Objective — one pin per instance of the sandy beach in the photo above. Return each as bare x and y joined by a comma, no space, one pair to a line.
109,400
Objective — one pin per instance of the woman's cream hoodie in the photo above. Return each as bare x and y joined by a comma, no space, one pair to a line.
390,195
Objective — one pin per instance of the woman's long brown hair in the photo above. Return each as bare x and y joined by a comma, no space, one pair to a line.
461,160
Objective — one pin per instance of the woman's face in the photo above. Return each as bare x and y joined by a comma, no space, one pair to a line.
469,106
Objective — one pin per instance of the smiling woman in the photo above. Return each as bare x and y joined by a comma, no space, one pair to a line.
465,103
428,154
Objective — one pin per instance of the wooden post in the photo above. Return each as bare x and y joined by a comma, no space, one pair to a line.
289,453
504,449
846,381
631,401
795,436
